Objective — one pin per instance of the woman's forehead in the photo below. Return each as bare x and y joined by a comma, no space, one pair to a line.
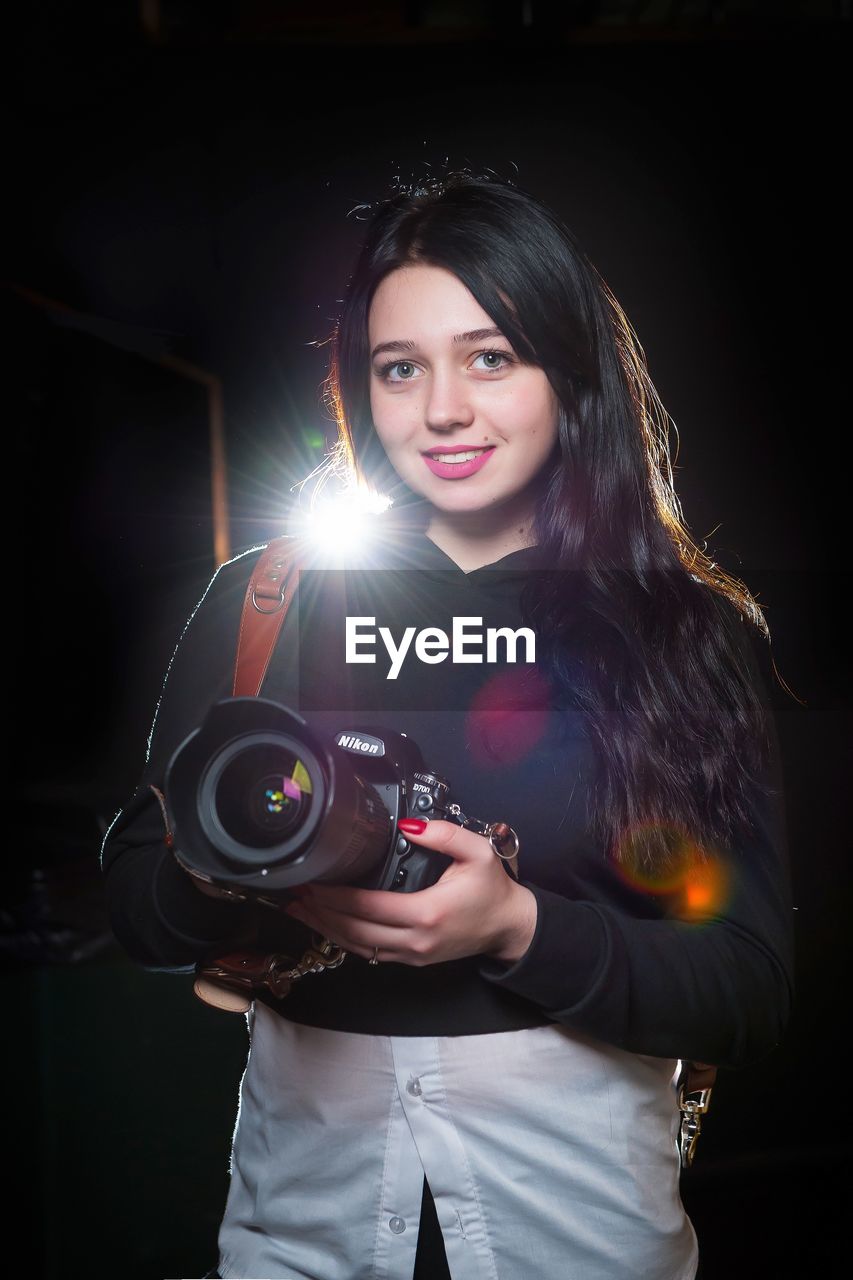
428,302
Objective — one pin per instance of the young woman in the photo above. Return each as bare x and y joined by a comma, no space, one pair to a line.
489,1075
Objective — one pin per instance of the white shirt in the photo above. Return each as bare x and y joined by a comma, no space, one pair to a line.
550,1156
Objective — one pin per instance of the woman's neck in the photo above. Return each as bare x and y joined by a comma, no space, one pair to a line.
475,538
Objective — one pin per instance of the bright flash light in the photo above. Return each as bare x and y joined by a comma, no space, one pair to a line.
342,523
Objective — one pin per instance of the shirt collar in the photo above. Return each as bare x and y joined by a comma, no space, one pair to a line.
514,561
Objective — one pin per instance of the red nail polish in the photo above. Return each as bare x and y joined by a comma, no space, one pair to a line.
412,826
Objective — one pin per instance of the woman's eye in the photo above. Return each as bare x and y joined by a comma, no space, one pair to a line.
495,359
404,368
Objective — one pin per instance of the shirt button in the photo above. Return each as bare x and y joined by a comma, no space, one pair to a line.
414,1087
397,1225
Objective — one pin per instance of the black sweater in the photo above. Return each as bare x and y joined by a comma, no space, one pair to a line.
609,957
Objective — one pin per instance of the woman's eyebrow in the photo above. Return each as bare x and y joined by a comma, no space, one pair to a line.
406,344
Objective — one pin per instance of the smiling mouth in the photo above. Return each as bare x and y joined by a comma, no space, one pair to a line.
459,456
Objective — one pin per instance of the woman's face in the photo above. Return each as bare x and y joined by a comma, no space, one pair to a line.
464,423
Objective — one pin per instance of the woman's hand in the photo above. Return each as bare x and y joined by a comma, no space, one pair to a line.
474,909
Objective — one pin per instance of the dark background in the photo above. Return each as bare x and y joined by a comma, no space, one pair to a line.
179,180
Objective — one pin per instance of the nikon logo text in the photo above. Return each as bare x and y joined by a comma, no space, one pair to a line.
432,645
366,746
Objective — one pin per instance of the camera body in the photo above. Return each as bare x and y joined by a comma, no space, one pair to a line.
259,803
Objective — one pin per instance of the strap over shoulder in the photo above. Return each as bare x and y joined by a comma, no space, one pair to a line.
268,597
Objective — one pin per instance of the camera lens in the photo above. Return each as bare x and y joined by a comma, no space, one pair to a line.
263,795
258,801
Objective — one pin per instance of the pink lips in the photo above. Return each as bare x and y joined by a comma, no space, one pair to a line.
457,470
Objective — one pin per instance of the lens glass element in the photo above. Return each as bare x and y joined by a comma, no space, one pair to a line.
263,795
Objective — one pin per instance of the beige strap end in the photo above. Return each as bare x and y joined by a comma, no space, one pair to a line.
220,996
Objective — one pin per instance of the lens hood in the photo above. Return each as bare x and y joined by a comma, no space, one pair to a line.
260,803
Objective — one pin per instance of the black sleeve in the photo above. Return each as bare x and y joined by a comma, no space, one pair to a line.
157,914
714,985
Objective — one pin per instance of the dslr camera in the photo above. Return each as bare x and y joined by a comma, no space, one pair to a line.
259,803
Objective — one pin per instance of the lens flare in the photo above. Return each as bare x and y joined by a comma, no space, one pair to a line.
292,789
706,889
275,800
692,881
339,524
508,716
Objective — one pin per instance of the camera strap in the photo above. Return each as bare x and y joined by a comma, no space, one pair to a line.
229,981
268,598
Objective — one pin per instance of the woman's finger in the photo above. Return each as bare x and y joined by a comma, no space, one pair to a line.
457,842
382,906
373,906
361,937
446,837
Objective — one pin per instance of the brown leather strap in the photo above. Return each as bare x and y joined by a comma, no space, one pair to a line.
268,598
227,982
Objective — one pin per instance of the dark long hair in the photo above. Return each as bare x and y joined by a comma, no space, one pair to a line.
648,641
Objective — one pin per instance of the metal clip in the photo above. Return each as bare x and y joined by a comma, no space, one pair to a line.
503,839
693,1106
277,603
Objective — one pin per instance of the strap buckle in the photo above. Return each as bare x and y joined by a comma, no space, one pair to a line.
693,1105
229,981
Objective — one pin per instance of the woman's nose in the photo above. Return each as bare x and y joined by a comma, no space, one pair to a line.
448,403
